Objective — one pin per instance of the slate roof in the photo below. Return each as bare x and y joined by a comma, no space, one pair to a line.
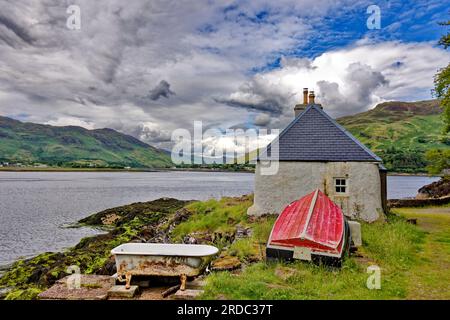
314,136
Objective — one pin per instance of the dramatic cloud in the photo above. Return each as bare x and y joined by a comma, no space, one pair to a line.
346,81
161,90
229,62
260,95
262,119
362,79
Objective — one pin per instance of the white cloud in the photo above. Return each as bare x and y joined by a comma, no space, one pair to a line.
348,80
70,121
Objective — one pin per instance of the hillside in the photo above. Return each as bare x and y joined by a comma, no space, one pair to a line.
30,143
400,132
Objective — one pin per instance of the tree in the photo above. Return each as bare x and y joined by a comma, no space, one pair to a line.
438,160
442,82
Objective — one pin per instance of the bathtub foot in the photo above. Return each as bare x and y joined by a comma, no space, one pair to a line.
183,278
128,280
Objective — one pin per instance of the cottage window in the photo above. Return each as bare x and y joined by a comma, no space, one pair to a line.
340,185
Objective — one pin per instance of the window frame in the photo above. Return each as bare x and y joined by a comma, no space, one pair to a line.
339,185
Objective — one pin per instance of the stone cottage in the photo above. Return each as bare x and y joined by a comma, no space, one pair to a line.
314,151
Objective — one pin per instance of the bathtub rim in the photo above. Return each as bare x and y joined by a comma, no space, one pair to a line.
172,249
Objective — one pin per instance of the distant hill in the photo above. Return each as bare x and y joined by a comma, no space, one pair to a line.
30,143
400,132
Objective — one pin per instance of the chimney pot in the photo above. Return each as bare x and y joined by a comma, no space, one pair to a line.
312,97
305,95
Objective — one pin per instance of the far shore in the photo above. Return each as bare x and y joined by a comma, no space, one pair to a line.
62,169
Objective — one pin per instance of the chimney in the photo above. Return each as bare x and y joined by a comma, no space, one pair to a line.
299,108
312,97
305,96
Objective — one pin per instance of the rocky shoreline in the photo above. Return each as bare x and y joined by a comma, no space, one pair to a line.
153,221
436,189
137,222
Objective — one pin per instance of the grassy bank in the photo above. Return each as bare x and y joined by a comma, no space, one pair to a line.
430,277
399,248
392,246
414,259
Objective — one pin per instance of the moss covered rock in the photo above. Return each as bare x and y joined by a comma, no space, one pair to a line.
92,254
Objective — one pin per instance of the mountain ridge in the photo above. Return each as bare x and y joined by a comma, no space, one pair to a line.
400,132
75,146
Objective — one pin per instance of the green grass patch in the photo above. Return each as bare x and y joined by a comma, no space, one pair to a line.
214,216
429,278
392,246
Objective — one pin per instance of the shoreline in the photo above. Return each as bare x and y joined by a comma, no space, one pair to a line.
15,169
31,169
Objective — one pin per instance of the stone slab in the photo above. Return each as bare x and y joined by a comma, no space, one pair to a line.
355,229
188,294
196,284
122,292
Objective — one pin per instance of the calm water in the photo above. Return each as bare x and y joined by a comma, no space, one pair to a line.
35,205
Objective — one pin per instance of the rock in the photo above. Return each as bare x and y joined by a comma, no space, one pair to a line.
242,232
198,238
196,284
285,272
436,189
223,238
4,292
109,267
180,216
110,219
188,294
122,292
189,240
226,263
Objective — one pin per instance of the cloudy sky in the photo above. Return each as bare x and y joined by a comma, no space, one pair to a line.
146,68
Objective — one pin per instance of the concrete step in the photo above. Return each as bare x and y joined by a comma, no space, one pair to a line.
122,292
188,294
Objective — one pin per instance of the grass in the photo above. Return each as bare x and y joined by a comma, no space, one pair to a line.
430,278
222,217
214,216
419,132
392,246
413,259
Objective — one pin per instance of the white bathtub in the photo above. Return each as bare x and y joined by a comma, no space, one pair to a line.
157,259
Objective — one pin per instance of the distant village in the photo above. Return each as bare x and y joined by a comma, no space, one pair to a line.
21,165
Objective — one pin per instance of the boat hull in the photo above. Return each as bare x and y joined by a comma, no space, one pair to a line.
286,253
312,228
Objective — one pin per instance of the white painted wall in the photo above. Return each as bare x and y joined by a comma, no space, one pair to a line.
296,179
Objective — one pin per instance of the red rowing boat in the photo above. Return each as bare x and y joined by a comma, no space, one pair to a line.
310,228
